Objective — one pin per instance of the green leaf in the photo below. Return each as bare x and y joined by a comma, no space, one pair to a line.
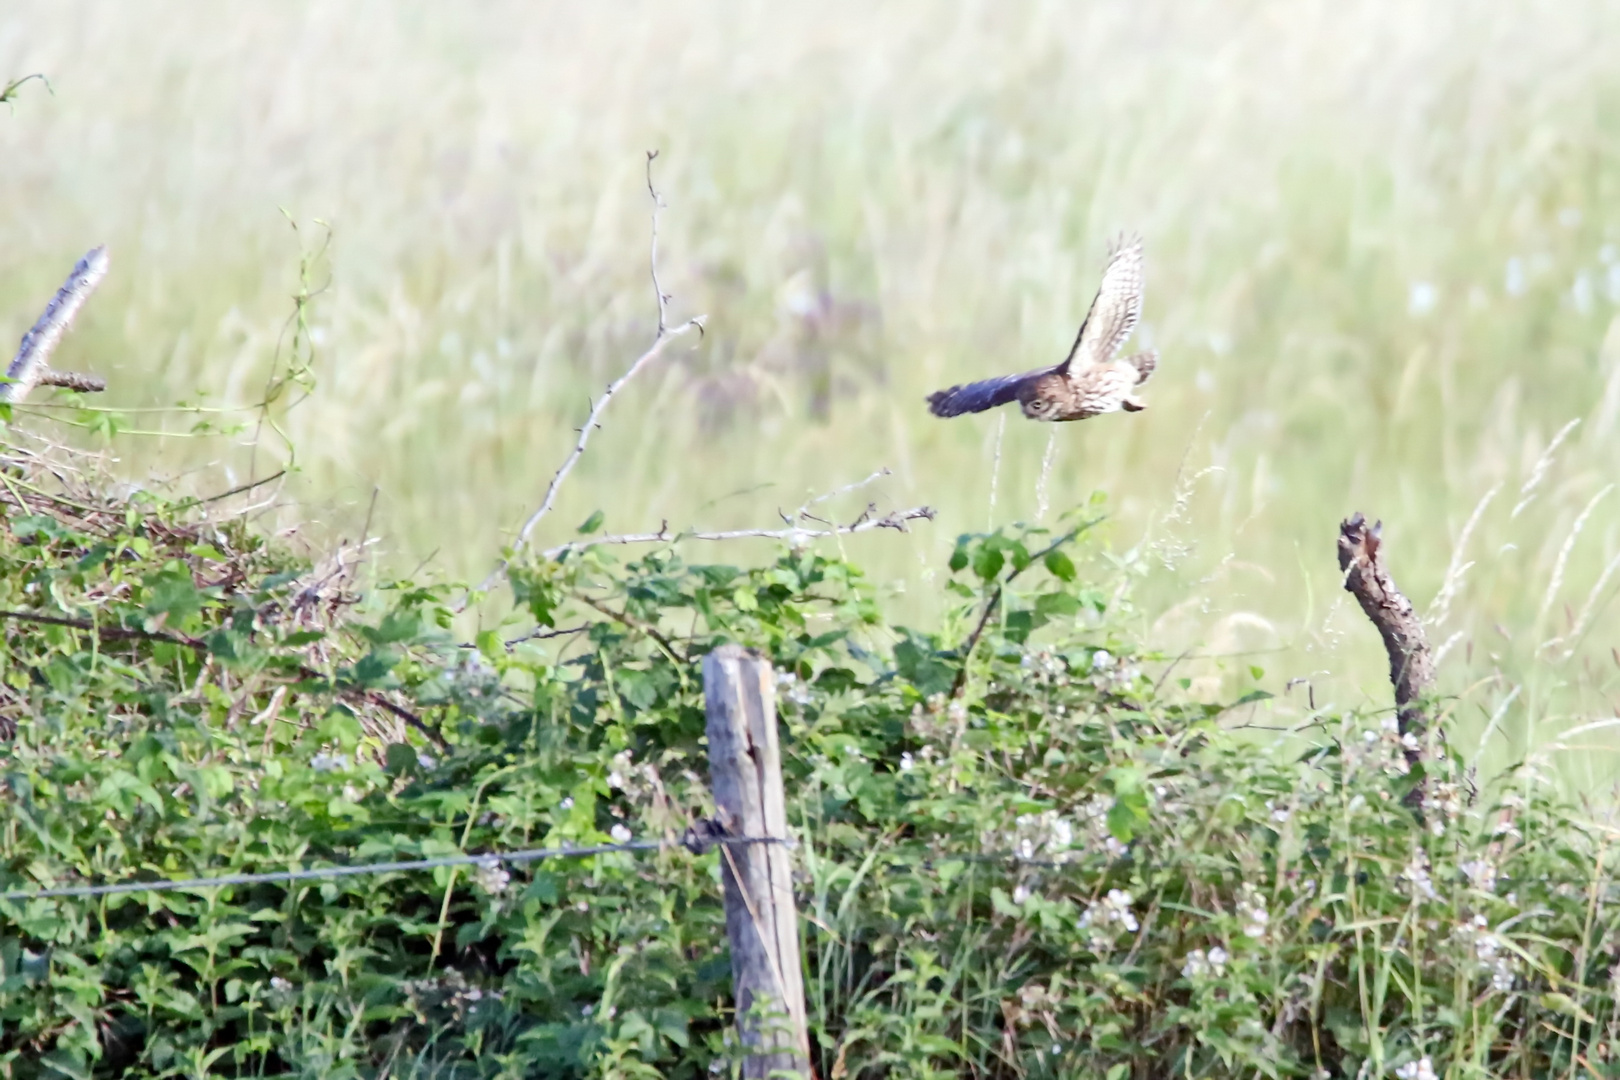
1256,672
1055,604
1129,813
172,592
398,625
38,528
592,523
374,667
988,561
400,759
490,645
1060,566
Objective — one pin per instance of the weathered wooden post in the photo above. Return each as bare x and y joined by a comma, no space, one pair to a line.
745,768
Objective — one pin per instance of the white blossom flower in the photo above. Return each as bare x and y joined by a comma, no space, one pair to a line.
619,833
491,876
1416,875
907,762
1251,909
1481,874
1021,893
330,762
1489,950
795,690
1421,1069
1104,919
1202,965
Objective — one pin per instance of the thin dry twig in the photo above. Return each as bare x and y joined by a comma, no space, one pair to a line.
31,367
804,511
665,334
794,534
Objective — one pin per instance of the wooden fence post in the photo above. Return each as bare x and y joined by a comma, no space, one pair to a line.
745,768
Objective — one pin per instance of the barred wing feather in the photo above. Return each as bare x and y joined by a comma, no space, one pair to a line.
1116,308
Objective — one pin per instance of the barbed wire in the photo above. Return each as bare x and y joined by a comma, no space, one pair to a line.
696,841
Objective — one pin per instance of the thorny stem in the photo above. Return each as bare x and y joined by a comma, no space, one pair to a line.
960,683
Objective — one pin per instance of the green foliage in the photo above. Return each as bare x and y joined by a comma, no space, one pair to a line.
1063,870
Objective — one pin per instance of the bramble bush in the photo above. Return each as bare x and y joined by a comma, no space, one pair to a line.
1069,868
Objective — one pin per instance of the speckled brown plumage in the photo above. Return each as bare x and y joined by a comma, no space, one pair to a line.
1090,381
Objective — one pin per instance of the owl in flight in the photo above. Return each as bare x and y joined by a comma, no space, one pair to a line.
1090,381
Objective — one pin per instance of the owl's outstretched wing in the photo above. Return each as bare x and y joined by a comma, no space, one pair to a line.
982,395
1116,308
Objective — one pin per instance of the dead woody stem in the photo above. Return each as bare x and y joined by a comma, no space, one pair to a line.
1411,667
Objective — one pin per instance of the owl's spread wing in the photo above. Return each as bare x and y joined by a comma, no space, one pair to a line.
1116,308
982,395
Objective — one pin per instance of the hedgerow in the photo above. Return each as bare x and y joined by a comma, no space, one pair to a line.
1031,855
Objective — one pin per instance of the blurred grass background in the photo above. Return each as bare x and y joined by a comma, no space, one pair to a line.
1384,259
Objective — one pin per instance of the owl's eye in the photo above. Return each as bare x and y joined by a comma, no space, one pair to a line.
1037,405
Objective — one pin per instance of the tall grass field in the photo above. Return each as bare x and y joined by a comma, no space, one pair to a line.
1384,273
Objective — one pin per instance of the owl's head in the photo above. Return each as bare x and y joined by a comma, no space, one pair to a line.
1043,398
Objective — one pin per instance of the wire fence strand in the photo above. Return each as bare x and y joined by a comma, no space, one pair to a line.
318,873
695,840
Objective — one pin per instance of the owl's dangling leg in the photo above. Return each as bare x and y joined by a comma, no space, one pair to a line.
1133,404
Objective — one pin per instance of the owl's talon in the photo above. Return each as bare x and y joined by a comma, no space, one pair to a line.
1133,404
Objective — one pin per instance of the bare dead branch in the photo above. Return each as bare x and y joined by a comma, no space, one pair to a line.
897,520
32,362
1411,668
803,511
661,339
73,380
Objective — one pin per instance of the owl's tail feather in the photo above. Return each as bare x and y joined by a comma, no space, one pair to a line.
1145,363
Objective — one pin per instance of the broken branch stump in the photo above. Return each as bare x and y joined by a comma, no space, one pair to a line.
1411,668
31,366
